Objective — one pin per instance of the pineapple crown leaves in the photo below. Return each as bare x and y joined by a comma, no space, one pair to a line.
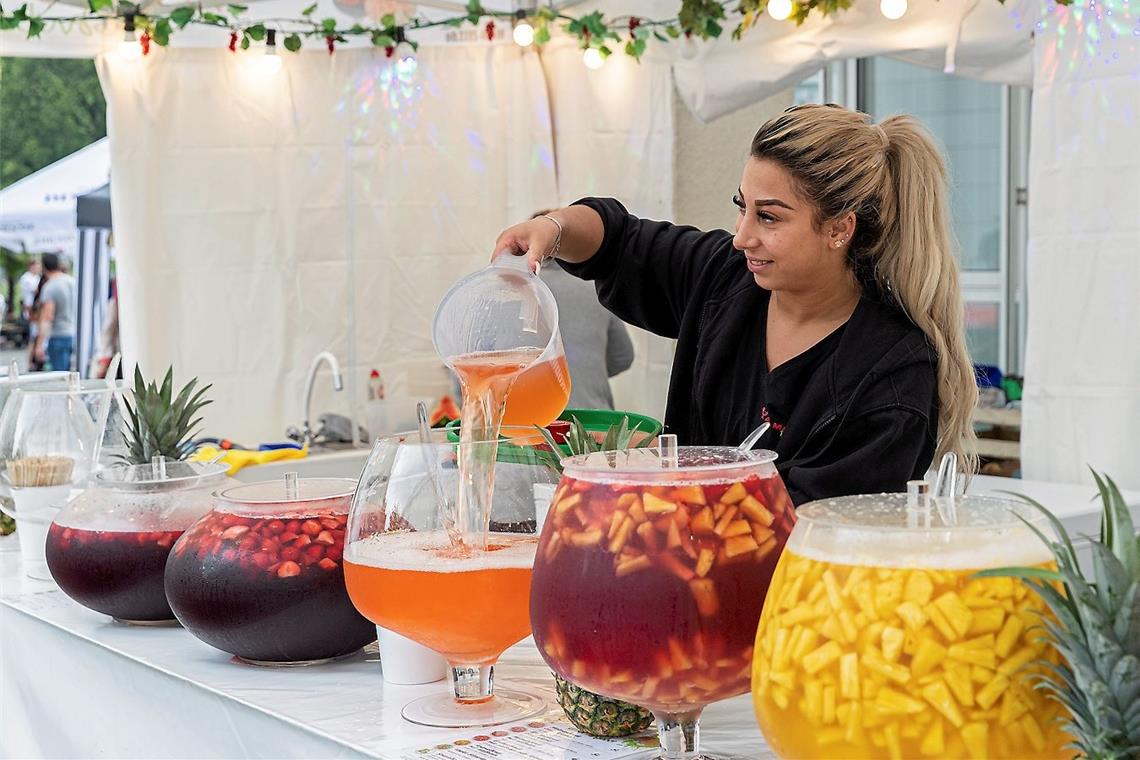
579,440
1096,628
161,423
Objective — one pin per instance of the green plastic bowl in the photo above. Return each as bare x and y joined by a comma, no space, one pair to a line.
596,421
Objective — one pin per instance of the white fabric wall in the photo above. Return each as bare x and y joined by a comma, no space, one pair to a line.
614,137
1082,396
263,218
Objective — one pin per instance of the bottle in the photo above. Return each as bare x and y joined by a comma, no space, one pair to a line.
375,386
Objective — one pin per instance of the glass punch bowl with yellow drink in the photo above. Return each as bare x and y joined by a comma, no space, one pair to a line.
877,640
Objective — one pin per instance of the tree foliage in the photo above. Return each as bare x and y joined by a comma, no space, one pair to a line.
49,108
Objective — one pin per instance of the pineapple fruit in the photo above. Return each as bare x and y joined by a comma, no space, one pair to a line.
596,715
1096,629
160,423
860,661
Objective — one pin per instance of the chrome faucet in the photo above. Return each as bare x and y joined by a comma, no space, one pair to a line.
306,432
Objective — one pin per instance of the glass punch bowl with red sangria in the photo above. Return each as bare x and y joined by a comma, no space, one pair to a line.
650,577
107,548
262,577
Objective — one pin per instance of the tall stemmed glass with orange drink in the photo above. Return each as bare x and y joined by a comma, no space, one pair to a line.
405,573
442,535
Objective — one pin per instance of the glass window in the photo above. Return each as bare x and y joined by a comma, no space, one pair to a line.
809,90
983,332
966,117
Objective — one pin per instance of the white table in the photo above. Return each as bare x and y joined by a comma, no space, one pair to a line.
75,684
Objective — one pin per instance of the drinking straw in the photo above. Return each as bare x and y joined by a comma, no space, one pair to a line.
917,502
429,458
292,487
667,448
946,489
747,444
158,467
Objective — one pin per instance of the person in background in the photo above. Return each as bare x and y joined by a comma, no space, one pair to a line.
597,343
109,338
56,340
29,286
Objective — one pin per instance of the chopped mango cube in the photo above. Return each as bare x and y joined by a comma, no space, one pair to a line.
735,493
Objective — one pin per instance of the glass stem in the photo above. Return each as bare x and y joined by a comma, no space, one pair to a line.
473,683
679,735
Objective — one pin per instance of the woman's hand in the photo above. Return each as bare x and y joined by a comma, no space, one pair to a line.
535,238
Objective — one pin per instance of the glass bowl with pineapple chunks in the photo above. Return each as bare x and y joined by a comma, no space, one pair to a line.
879,641
107,549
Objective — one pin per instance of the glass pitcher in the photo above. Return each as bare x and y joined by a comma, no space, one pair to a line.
877,642
497,321
649,580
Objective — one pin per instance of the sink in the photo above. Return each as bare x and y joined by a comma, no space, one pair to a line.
347,463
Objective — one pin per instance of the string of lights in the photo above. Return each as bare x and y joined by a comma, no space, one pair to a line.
599,36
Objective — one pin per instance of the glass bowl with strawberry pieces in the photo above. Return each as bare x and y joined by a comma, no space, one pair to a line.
107,548
261,576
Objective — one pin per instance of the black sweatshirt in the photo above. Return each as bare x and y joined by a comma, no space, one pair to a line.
865,420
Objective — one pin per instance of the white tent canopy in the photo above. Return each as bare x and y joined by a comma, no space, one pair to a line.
38,212
978,40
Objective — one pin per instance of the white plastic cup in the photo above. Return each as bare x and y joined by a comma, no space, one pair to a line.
543,496
406,662
36,507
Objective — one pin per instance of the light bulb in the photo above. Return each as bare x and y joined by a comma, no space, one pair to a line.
129,48
405,56
593,59
270,63
780,9
523,34
892,9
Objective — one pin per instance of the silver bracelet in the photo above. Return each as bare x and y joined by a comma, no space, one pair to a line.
554,249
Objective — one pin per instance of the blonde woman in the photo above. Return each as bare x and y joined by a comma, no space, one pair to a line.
834,312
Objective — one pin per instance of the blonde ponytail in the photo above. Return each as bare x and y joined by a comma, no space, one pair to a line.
893,178
917,258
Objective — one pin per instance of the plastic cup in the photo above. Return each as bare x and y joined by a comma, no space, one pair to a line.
36,508
406,663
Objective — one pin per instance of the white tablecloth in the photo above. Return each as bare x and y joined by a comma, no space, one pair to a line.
75,684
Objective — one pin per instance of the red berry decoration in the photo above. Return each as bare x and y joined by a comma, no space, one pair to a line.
144,43
389,51
330,40
490,31
233,42
634,22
